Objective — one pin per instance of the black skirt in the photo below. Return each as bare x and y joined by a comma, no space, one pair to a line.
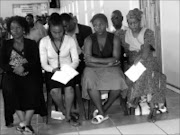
51,84
29,95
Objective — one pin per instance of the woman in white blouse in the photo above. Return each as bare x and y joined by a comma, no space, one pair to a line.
56,50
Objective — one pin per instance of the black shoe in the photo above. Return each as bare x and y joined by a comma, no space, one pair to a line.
73,122
20,128
28,130
10,125
75,116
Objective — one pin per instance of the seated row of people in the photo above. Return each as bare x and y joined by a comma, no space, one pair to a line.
98,64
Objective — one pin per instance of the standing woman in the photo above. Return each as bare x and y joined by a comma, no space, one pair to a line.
56,50
139,45
102,73
19,58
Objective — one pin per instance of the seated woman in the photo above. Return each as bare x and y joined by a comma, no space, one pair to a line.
139,45
102,72
56,50
19,59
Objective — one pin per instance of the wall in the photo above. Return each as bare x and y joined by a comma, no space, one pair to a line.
85,9
169,11
6,6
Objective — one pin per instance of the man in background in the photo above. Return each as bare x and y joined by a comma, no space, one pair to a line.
37,30
79,32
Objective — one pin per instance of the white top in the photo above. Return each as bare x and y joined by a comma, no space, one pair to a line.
49,57
135,43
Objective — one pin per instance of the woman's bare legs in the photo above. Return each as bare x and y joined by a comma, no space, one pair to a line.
69,98
95,95
57,96
28,116
21,115
113,95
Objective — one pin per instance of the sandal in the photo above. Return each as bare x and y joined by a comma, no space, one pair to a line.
99,119
21,127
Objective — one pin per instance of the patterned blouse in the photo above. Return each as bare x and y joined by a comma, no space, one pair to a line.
17,59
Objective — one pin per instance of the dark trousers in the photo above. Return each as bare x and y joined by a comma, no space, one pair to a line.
7,91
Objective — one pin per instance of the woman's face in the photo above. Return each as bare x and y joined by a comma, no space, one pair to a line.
57,31
16,30
134,25
99,26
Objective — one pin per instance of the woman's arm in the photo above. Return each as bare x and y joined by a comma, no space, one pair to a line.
4,58
149,41
88,54
44,56
103,61
74,54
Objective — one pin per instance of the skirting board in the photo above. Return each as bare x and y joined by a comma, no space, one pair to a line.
173,88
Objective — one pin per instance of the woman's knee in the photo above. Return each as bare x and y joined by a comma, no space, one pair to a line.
69,90
55,91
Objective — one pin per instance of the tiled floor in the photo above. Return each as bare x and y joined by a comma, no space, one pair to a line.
167,123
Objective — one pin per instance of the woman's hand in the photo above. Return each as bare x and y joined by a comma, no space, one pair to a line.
18,70
117,62
55,69
138,59
89,59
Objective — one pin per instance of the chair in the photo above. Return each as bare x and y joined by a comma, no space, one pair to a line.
78,100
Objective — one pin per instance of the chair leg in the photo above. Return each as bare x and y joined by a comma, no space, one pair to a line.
80,102
49,104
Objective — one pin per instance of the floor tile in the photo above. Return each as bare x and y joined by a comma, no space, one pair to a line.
87,125
105,131
55,128
169,126
141,129
70,133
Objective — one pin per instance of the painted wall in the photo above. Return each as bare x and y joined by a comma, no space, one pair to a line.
6,6
170,40
85,9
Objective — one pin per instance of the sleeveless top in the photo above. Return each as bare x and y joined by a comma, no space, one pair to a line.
107,51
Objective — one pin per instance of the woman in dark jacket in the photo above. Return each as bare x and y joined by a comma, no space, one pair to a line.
19,58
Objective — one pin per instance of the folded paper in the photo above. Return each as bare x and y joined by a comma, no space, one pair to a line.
65,74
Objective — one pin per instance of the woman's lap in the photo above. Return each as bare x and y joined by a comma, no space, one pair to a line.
102,79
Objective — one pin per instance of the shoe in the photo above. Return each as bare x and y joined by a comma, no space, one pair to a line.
75,116
99,119
10,125
20,128
28,130
73,122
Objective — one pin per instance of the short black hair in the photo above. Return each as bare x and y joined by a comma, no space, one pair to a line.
99,16
30,15
21,21
66,17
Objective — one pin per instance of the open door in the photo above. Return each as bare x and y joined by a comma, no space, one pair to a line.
151,9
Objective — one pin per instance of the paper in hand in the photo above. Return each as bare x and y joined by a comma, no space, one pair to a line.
135,71
65,74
